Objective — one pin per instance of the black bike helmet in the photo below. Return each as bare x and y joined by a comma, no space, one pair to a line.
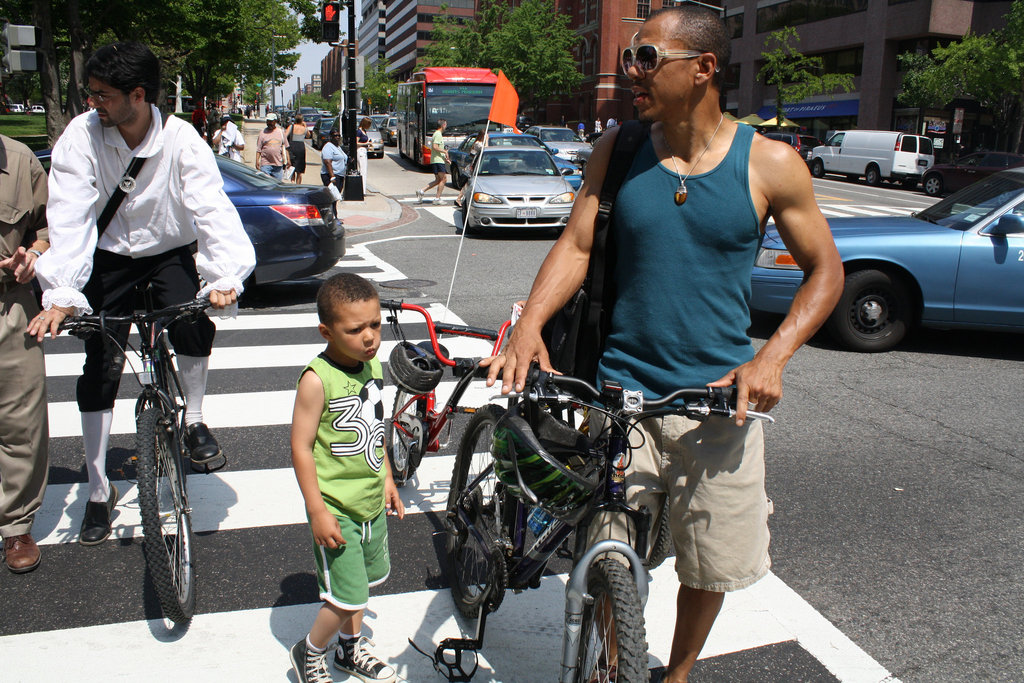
550,466
414,369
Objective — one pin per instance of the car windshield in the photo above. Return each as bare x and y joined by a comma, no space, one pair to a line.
558,135
973,204
514,141
517,162
244,174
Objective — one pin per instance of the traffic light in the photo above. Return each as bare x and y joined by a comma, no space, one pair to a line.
13,60
330,21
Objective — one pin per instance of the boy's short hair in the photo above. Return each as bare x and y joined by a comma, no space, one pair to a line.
343,288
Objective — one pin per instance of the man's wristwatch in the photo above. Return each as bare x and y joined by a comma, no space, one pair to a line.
36,252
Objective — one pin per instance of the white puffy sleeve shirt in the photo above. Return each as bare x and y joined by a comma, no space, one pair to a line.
179,198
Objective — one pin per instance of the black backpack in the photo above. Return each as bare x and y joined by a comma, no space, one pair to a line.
575,335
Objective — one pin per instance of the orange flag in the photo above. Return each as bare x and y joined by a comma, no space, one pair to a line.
505,104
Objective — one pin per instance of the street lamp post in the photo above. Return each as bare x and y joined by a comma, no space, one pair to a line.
273,70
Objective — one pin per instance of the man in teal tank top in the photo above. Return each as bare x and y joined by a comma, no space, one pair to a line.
686,228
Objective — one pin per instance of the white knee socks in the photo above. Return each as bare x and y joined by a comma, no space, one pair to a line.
192,371
96,434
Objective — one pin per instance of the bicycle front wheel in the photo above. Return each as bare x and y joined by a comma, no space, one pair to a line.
403,438
613,645
166,520
476,565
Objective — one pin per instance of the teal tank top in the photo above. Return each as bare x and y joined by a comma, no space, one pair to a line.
682,274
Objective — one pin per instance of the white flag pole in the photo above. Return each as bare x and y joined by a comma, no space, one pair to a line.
467,202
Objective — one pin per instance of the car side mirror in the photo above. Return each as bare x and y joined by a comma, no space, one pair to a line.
568,171
1008,224
554,150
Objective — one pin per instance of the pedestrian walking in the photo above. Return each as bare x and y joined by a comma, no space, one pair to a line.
297,133
362,149
23,425
689,218
199,121
271,149
228,139
438,162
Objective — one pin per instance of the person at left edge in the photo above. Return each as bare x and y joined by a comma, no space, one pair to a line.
23,425
176,201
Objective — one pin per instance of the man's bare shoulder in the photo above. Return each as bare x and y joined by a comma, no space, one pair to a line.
776,168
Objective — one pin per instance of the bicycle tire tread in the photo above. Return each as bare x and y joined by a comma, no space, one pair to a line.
611,577
156,556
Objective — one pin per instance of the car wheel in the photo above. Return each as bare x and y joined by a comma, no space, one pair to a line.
818,168
874,312
457,180
872,175
933,185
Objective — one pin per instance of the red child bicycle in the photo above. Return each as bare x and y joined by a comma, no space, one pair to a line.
417,424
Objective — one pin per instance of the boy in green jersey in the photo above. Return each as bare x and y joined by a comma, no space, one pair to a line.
343,472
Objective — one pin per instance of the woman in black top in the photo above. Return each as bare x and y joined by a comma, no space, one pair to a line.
297,134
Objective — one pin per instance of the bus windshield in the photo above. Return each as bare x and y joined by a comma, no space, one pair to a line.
465,107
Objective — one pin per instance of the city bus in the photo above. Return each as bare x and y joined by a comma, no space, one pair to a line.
460,95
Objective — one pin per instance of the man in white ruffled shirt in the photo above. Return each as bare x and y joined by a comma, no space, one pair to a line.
177,199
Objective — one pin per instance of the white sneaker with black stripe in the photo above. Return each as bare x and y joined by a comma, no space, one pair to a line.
310,667
355,658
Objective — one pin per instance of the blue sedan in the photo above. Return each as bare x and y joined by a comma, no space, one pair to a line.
293,228
957,264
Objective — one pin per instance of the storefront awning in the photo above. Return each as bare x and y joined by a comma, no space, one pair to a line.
809,110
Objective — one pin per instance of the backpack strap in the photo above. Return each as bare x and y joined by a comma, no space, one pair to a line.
632,134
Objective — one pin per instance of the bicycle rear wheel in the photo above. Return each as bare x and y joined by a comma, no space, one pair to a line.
613,645
660,545
476,564
166,519
404,439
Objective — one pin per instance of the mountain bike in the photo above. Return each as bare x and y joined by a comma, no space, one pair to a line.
416,424
525,478
160,449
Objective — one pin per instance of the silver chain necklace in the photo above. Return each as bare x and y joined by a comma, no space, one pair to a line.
680,196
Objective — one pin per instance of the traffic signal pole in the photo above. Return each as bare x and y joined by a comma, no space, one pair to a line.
352,178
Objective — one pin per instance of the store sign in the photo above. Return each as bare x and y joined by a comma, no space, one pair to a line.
958,120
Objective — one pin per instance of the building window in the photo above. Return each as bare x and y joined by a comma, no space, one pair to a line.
849,61
734,25
796,12
643,8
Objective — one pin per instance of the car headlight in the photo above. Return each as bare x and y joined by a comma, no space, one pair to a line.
564,198
776,258
484,198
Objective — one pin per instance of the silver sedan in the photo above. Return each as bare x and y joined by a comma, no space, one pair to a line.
518,187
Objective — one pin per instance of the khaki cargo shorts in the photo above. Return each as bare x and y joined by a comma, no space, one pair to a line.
713,475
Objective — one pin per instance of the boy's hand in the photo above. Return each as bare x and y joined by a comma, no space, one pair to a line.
326,530
392,501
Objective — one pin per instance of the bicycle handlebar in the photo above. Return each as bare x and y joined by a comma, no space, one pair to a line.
79,323
698,402
435,328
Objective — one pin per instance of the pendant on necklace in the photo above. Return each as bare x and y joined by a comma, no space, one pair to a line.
681,194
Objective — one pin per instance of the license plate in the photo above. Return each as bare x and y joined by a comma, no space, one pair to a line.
526,213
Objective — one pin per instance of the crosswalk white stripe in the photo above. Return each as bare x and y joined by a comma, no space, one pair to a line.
226,500
527,623
869,211
251,409
266,356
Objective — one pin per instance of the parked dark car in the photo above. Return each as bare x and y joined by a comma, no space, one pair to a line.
321,131
943,178
293,228
954,265
803,144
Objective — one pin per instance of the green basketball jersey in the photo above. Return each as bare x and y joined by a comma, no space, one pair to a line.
349,449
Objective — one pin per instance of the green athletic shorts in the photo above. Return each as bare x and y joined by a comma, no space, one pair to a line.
345,574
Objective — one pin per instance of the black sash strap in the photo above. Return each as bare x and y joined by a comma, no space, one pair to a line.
117,196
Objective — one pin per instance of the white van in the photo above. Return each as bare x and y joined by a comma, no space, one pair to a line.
876,155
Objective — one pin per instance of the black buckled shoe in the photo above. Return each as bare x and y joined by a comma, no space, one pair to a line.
202,447
96,525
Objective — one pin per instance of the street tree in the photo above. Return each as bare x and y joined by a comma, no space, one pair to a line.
378,86
988,68
465,41
795,75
